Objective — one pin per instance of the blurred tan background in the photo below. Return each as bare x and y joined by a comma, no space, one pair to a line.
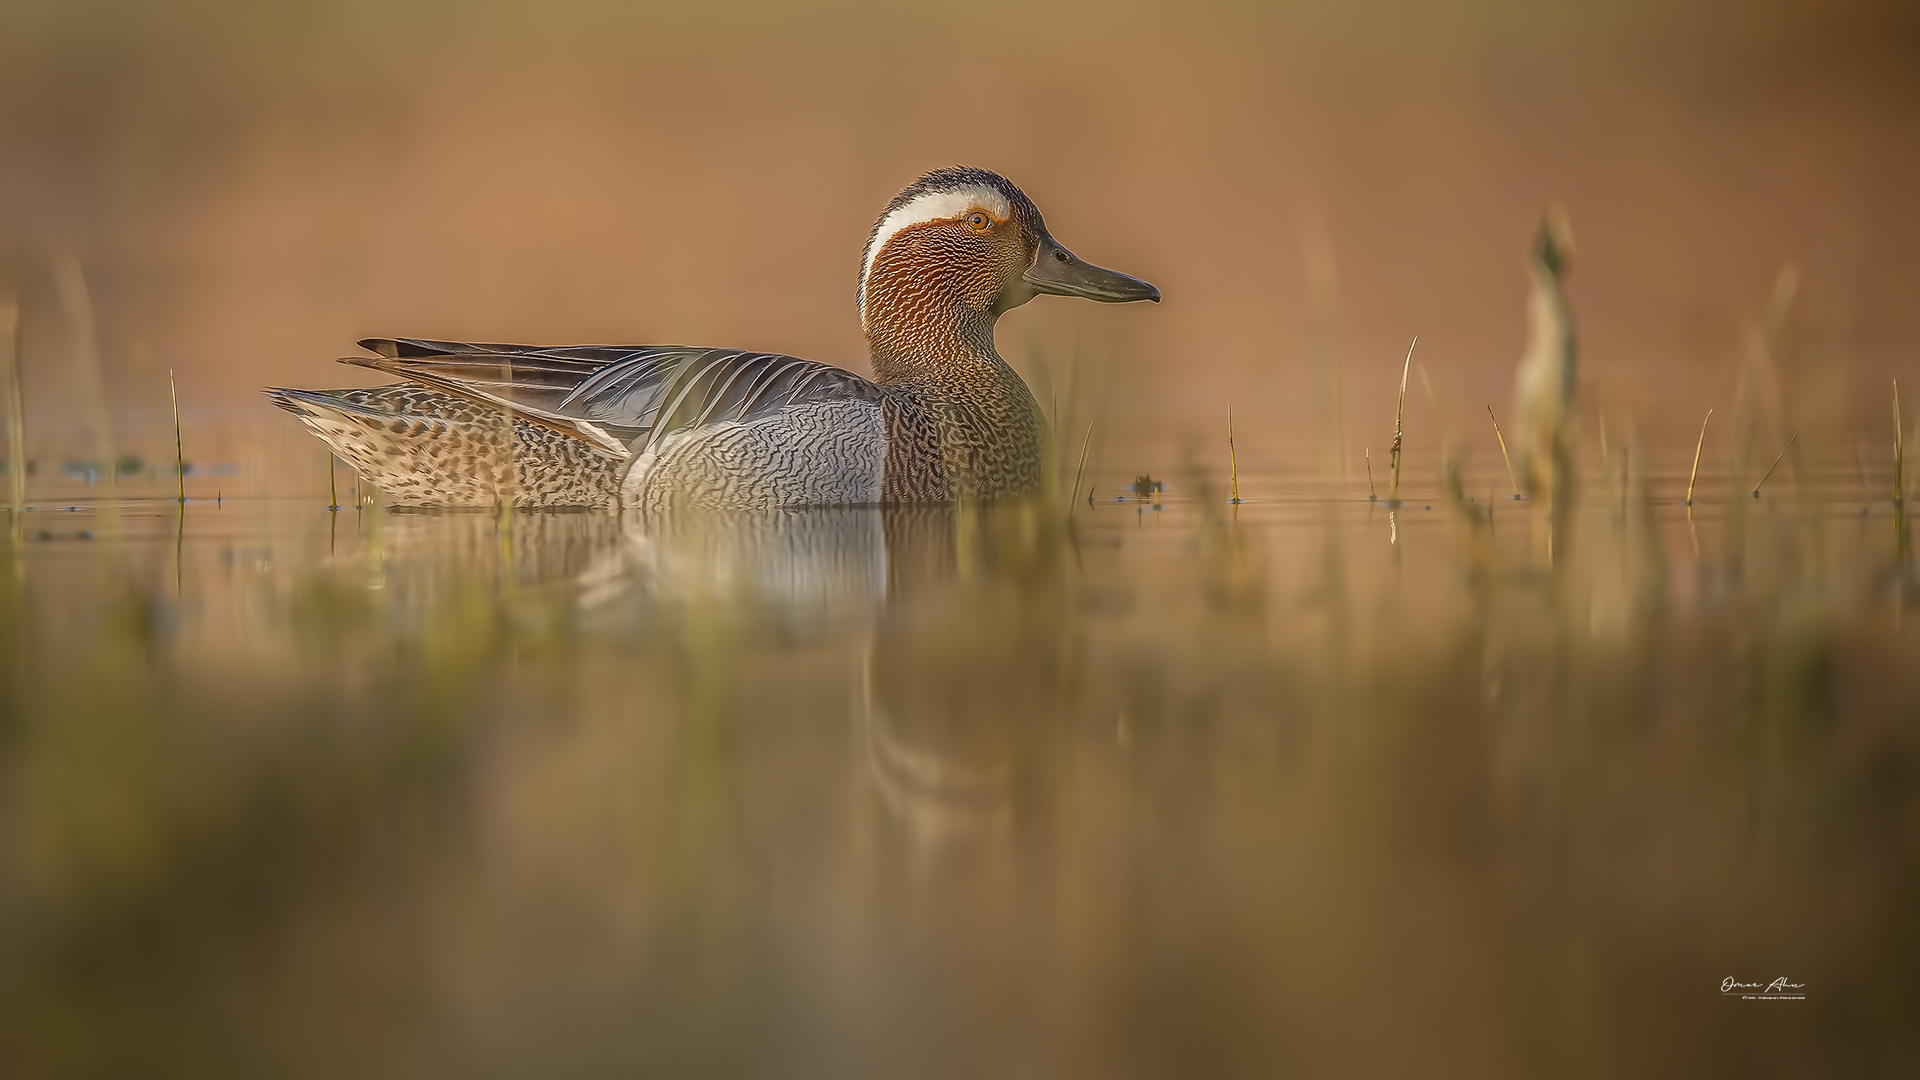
251,187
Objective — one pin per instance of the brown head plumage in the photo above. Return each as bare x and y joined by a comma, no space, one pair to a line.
956,249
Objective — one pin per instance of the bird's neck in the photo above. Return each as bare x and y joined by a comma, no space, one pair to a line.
933,343
956,368
966,424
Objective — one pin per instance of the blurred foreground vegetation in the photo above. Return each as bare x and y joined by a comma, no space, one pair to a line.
1182,789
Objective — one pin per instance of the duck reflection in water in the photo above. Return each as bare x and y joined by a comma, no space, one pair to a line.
795,567
956,618
954,621
968,669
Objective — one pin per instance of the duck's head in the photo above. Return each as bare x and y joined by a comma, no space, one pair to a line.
956,249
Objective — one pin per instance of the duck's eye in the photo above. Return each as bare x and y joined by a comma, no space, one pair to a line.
979,222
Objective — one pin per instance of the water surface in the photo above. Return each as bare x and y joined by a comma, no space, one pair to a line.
1308,786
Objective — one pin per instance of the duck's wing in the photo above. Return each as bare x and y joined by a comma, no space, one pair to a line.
619,397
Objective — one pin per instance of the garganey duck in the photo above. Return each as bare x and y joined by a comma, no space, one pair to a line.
655,426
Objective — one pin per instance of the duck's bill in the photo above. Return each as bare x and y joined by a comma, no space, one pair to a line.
1060,272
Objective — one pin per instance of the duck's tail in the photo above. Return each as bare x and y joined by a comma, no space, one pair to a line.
417,458
314,404
424,448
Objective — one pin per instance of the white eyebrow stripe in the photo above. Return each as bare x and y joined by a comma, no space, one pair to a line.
933,206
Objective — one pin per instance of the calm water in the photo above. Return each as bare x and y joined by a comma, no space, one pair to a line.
1300,787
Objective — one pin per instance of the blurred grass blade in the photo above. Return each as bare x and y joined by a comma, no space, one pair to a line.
16,415
1502,439
1233,462
1079,469
1399,430
1695,474
179,444
1776,462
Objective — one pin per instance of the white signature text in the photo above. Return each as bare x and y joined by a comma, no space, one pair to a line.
1777,986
